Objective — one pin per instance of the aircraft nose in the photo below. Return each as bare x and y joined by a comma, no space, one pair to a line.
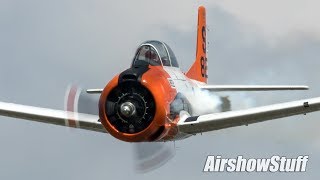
128,109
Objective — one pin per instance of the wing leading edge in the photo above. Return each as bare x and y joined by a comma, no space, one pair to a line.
252,87
210,122
50,116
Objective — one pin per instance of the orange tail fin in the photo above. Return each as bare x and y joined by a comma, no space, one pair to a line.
198,70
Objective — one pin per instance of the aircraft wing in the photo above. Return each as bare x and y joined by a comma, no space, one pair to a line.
50,116
252,87
216,121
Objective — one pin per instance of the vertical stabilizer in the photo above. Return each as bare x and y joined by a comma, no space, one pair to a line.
198,70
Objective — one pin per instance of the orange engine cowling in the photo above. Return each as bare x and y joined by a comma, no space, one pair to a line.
135,105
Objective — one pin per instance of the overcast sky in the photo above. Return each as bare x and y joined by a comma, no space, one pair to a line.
47,44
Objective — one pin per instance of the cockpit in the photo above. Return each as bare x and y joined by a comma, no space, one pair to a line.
154,53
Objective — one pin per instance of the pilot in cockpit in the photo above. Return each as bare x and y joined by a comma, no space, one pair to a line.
152,56
155,53
147,54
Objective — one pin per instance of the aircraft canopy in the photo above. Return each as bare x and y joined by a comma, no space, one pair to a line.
155,53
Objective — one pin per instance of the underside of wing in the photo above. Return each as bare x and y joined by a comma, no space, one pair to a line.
50,116
252,87
216,121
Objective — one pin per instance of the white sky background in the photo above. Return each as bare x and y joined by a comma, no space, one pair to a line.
45,45
277,18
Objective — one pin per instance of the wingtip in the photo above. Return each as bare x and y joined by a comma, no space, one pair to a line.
303,87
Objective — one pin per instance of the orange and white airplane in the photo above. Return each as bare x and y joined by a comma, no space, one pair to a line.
153,100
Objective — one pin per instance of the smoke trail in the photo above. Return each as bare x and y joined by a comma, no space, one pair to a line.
203,102
242,100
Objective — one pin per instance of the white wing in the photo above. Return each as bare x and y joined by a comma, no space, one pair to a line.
252,87
210,122
50,116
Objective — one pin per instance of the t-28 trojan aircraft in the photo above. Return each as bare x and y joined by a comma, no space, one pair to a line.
153,99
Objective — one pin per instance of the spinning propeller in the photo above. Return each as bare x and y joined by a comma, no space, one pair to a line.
129,105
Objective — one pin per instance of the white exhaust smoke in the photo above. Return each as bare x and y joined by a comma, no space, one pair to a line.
242,100
203,102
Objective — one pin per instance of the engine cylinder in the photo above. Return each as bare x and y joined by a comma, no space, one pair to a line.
130,107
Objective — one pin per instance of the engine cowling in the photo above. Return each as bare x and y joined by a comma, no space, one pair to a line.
134,106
